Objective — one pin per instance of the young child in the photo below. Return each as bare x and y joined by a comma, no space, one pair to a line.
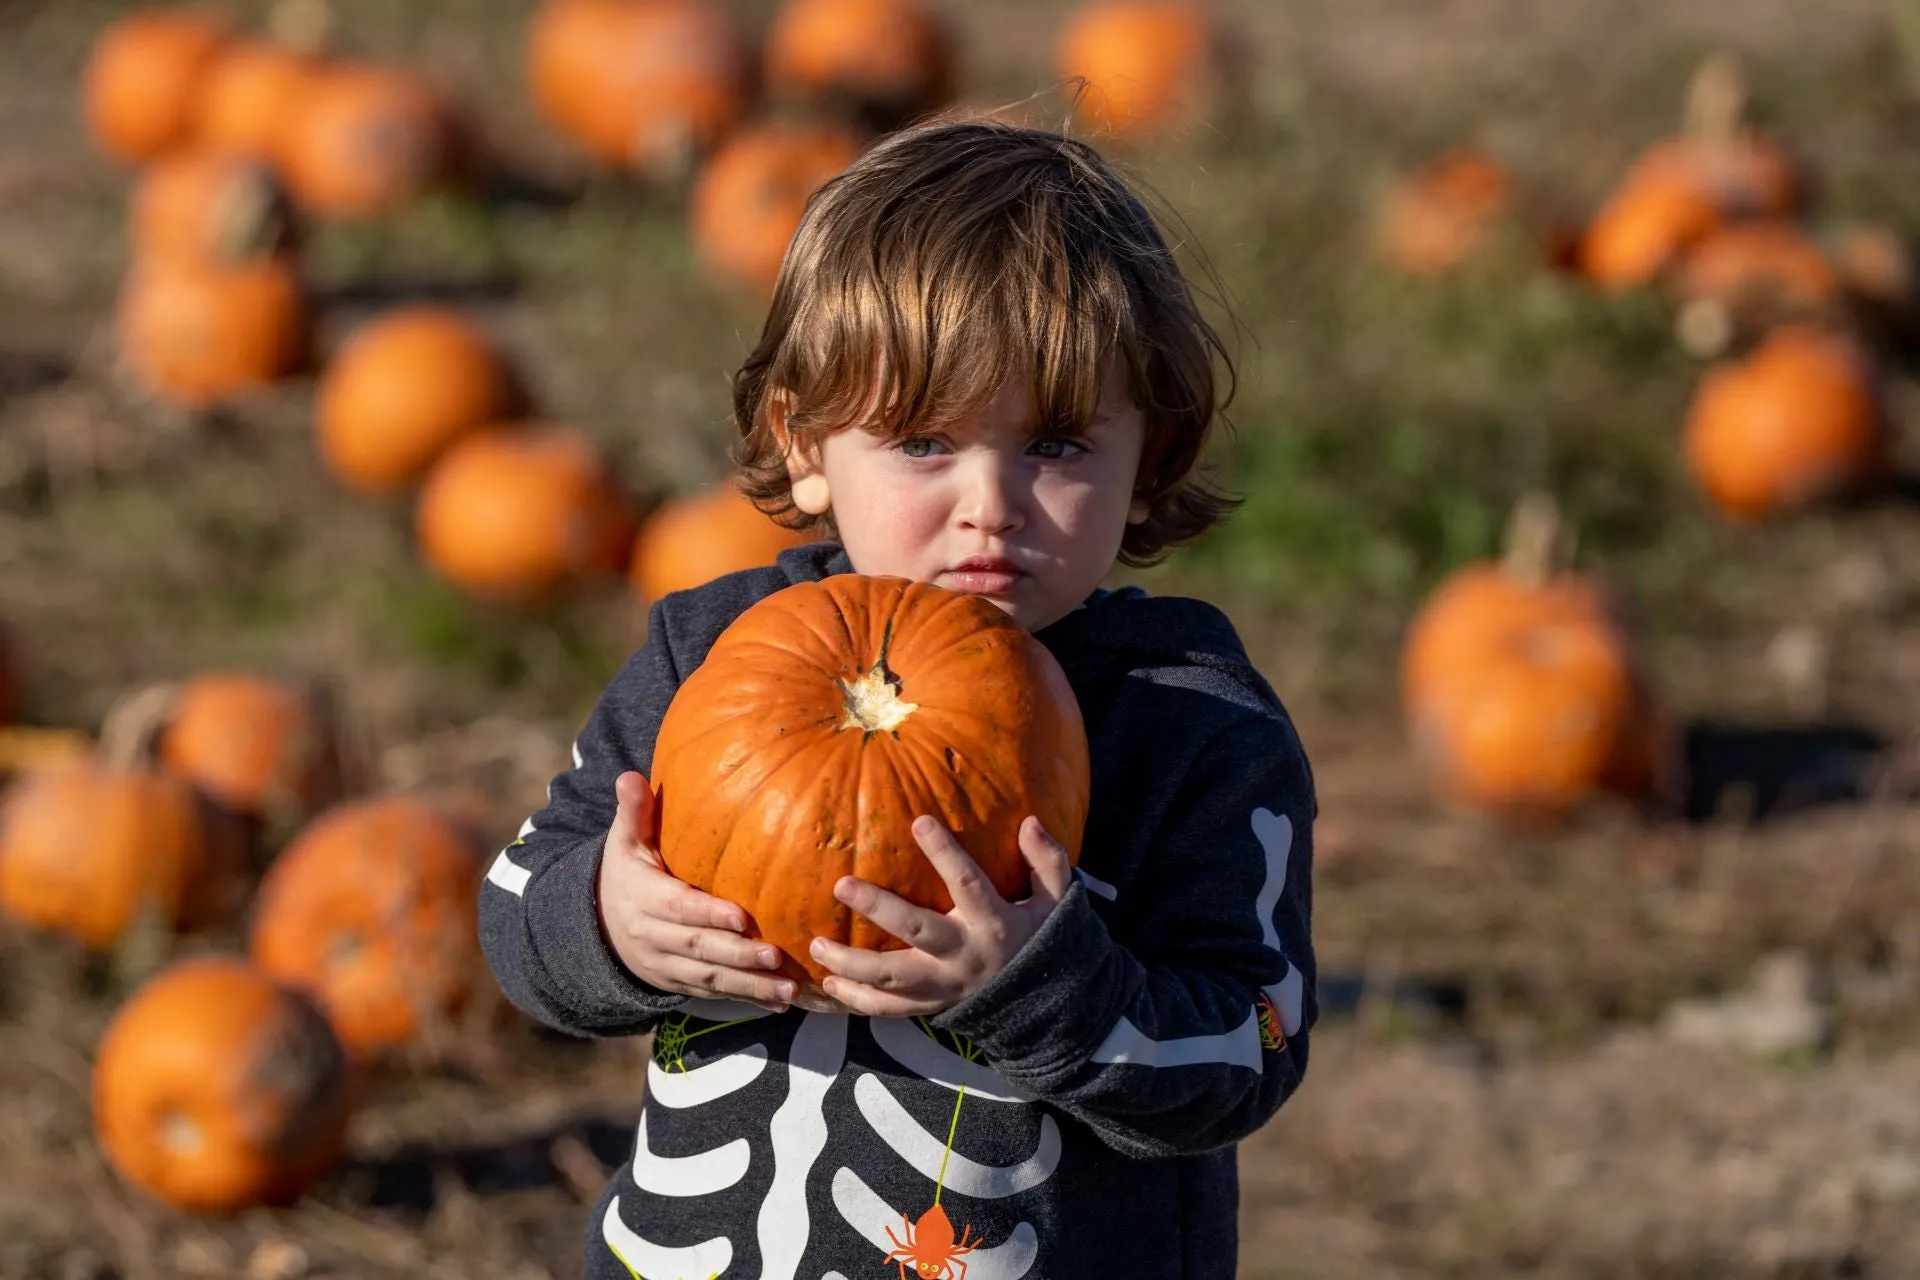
982,369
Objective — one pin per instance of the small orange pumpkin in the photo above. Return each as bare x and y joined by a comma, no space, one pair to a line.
889,60
201,205
826,718
401,389
1145,63
1757,272
216,1089
513,512
197,333
365,141
1438,216
642,84
1520,685
748,201
1797,421
141,80
691,540
1682,188
252,89
370,909
85,849
259,746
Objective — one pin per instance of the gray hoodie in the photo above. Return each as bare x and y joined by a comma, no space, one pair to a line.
1076,1116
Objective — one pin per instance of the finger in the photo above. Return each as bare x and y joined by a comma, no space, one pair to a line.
714,946
633,816
697,978
929,931
895,971
874,1003
1052,869
972,892
683,904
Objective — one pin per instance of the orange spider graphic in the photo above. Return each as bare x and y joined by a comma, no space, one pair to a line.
931,1248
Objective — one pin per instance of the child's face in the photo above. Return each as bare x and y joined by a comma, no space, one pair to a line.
1030,523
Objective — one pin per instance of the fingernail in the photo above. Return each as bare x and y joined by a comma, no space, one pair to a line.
769,958
923,825
818,949
784,991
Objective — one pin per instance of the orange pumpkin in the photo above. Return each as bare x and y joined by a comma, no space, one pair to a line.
748,201
215,1089
1798,420
365,141
642,84
252,89
691,540
514,512
197,333
1750,275
85,849
1438,216
1682,188
1520,686
402,389
370,909
1145,63
826,718
202,205
891,60
258,746
141,79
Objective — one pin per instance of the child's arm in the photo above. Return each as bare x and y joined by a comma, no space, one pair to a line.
1164,1050
539,918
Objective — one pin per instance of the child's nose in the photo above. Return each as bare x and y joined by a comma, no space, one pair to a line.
988,502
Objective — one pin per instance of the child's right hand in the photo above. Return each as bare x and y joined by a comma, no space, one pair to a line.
669,933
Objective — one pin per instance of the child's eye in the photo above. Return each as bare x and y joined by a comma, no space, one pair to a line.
917,446
1055,449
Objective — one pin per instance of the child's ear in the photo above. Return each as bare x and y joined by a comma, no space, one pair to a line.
805,480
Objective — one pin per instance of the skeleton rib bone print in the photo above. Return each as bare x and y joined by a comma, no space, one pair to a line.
871,1216
928,1154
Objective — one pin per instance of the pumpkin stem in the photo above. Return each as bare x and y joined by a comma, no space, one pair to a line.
873,701
1537,543
131,728
1716,106
304,26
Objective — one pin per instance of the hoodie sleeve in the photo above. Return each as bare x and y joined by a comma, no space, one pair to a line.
1192,1037
539,914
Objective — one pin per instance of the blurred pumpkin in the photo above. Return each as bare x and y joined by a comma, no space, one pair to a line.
1145,63
1437,217
1798,420
514,512
401,389
365,141
88,848
142,78
749,199
1748,277
216,1089
885,60
1520,684
691,540
370,908
196,333
249,93
1680,189
200,205
259,746
641,84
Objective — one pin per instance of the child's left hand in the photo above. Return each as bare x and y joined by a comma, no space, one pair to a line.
949,956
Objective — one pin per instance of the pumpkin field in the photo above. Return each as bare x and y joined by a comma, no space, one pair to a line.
365,372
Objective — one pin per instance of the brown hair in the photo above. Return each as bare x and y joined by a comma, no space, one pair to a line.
959,253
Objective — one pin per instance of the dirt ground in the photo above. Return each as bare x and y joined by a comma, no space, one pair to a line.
1674,1045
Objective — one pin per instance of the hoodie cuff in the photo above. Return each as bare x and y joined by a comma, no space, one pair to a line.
1055,1001
606,994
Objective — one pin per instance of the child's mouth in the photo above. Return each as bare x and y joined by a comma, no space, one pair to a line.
983,577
